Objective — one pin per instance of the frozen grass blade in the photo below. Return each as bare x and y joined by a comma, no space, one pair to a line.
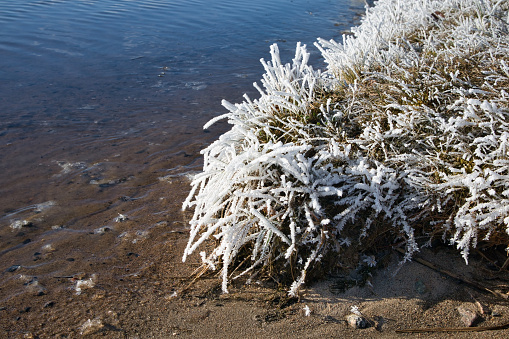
404,135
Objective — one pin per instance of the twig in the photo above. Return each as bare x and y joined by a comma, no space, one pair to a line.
481,308
198,272
504,266
488,259
242,263
178,277
455,276
455,329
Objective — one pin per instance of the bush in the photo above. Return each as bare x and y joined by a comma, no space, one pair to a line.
404,135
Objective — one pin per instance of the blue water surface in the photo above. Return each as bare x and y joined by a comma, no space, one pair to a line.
102,104
87,81
60,58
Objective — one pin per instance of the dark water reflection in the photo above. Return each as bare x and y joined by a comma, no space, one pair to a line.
99,100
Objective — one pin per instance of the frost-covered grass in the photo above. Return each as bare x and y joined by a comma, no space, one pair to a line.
405,136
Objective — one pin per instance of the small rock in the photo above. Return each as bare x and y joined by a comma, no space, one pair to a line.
482,309
91,326
48,248
121,218
25,310
496,314
36,288
49,304
18,224
380,322
356,321
85,284
468,317
13,268
420,287
111,319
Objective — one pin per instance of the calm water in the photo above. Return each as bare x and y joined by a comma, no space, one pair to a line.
99,100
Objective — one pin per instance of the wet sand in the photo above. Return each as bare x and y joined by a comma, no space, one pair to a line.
95,248
100,256
136,286
98,253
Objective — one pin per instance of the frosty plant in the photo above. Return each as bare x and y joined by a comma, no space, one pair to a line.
404,136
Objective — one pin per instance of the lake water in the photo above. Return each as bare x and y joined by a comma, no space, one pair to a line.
102,105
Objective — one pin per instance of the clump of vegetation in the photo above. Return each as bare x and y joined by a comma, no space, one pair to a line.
405,135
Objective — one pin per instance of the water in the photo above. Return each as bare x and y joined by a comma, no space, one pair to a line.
101,108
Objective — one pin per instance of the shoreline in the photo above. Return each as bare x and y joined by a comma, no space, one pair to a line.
145,291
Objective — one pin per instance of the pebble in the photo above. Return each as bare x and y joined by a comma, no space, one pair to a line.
496,313
25,310
468,317
48,248
13,268
36,288
420,287
91,326
49,304
356,321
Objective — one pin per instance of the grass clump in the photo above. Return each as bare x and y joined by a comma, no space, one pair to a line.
404,135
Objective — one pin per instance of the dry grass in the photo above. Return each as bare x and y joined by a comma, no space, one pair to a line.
405,136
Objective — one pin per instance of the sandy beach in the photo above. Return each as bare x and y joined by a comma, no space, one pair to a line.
143,290
111,266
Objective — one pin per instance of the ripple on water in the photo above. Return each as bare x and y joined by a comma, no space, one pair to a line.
102,109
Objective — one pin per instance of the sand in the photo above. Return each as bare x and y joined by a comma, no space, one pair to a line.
134,286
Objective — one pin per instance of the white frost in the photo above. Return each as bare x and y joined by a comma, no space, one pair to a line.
412,133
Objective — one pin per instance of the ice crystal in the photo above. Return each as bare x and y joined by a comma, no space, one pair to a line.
91,325
18,224
369,260
120,218
307,311
355,310
83,284
406,129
